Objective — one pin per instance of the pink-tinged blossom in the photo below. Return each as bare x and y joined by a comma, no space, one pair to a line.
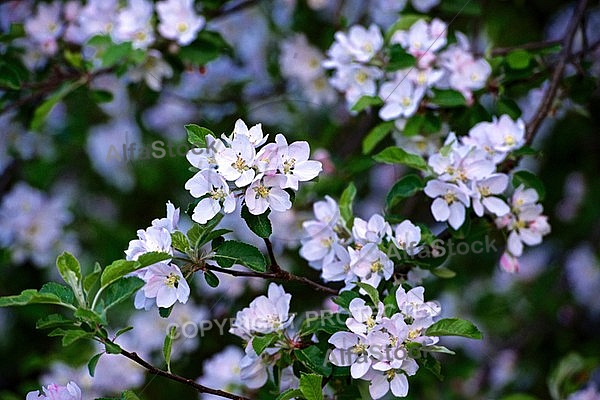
361,44
372,231
171,221
267,193
528,227
97,17
401,98
264,315
509,263
407,237
133,24
294,164
214,193
178,20
165,285
235,163
149,240
449,204
422,40
362,320
254,134
371,265
482,195
45,27
55,392
497,138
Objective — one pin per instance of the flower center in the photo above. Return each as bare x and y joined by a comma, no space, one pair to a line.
240,165
261,191
376,266
172,280
182,27
509,140
450,197
288,166
361,77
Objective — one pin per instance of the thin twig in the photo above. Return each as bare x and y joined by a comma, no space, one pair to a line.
548,98
177,378
502,51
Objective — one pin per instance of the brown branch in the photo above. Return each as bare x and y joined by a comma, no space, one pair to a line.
502,51
177,378
567,43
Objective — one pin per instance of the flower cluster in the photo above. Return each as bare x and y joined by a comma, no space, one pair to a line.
32,225
237,166
360,61
265,315
55,392
466,173
165,284
301,64
354,255
381,349
132,22
525,224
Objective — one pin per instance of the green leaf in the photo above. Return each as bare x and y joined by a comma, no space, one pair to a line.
399,58
180,241
570,366
376,135
346,200
54,321
529,180
112,348
413,125
443,272
211,279
406,187
92,364
259,224
454,327
115,53
101,96
396,155
122,331
448,98
196,135
129,395
91,279
121,290
233,252
525,151
165,312
9,78
371,292
289,394
44,109
70,270
440,349
314,359
365,102
518,59
88,316
64,293
310,386
509,107
390,303
518,396
31,296
260,343
207,47
168,346
70,336
150,258
197,232
116,270
432,364
344,298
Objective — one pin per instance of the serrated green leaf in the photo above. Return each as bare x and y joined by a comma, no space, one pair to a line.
376,135
211,279
259,224
54,321
529,180
180,241
197,231
207,47
31,296
168,346
196,135
116,270
122,331
260,343
413,125
150,258
70,336
454,327
448,98
92,364
233,252
165,312
129,395
328,322
314,359
431,364
310,386
390,303
121,290
88,316
406,187
365,102
371,292
64,293
396,155
116,53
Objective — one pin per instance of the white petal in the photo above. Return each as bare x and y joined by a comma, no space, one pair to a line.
496,205
457,215
399,385
360,367
440,210
514,245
